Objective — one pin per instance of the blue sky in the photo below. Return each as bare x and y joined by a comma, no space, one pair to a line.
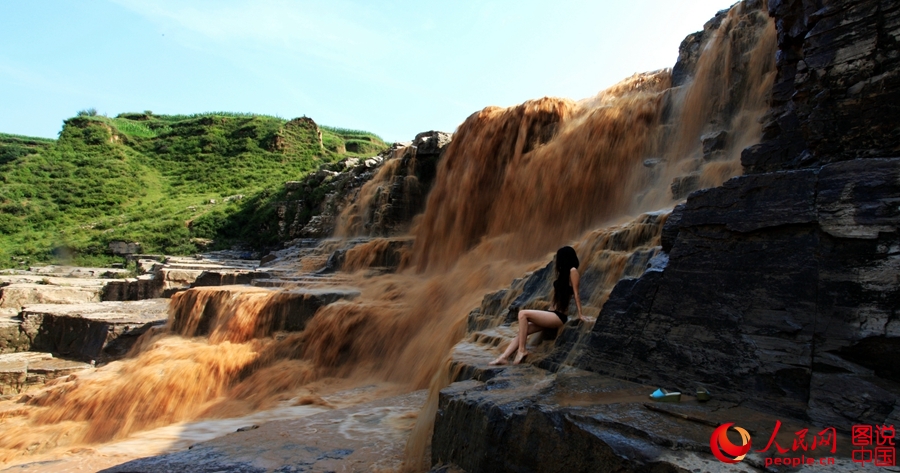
394,68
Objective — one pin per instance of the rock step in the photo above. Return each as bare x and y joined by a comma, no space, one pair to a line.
470,361
206,266
6,280
470,358
228,277
300,281
76,272
207,261
18,295
20,372
93,331
133,289
582,420
201,310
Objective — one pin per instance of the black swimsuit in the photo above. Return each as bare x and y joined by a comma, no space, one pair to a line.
563,317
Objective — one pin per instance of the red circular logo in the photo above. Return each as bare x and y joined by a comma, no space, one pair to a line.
722,447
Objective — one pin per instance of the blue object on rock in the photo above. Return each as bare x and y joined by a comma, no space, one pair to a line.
662,395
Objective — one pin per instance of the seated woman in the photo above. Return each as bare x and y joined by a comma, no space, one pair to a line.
532,321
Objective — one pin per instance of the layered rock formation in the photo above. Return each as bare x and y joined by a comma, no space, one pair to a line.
781,289
375,197
91,332
778,291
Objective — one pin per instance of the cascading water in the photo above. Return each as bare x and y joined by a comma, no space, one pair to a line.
514,185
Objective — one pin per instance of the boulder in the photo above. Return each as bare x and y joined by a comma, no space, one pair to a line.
684,185
431,143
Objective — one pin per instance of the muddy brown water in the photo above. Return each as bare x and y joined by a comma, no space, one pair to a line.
514,184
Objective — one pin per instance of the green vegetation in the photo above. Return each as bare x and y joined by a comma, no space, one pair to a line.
166,181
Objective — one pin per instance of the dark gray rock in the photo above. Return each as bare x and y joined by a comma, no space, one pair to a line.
690,49
522,419
782,284
431,143
359,439
837,85
200,459
778,284
747,203
334,262
310,208
684,185
670,228
713,144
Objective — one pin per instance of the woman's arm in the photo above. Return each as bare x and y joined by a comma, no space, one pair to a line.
575,278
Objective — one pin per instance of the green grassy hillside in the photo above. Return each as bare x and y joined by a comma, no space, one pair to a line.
170,182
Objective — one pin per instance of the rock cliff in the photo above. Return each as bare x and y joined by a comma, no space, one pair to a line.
362,197
778,291
781,288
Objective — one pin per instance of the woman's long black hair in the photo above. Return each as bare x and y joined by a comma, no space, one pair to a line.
566,259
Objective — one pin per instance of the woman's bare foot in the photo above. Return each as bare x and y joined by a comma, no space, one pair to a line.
520,357
499,361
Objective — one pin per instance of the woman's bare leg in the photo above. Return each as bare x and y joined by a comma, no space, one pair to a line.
513,345
502,359
539,318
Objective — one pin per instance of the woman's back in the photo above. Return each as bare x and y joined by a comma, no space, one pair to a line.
562,294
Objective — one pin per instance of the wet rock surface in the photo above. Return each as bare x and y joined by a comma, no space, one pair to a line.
777,291
521,418
781,286
838,80
773,281
364,438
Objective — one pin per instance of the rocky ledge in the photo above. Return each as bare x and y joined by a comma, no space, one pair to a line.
363,438
522,418
283,310
91,332
21,371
